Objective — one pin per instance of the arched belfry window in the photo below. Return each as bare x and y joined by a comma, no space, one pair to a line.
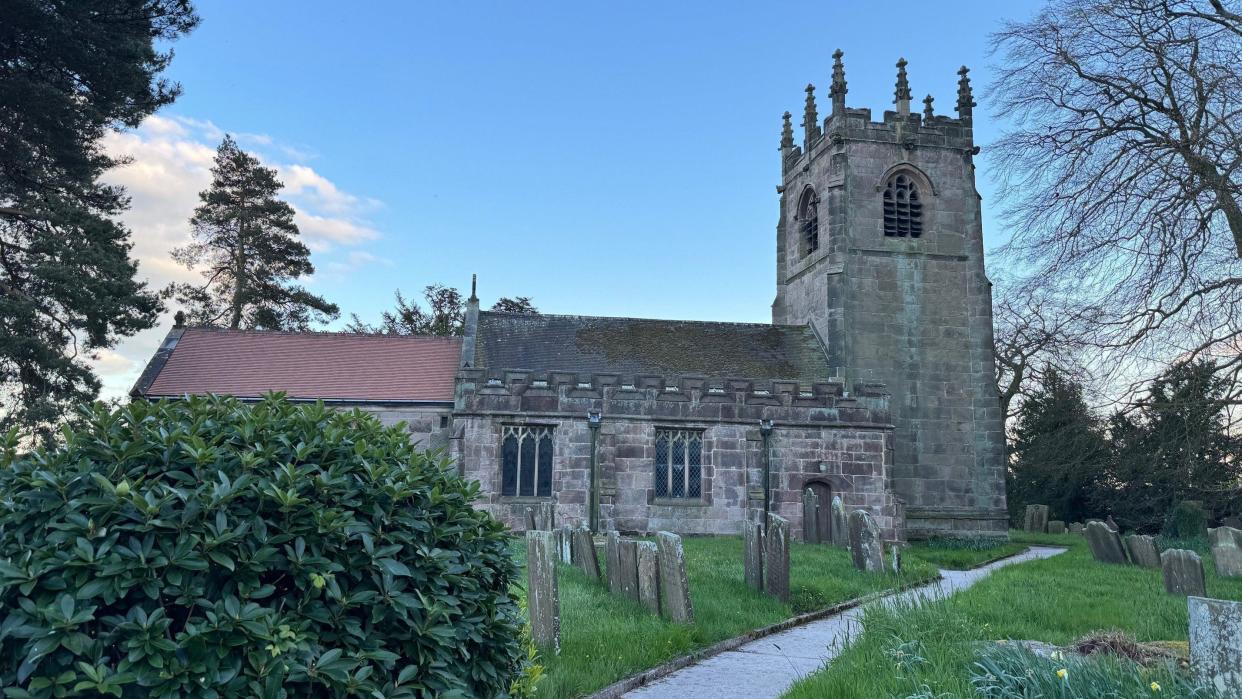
903,210
808,222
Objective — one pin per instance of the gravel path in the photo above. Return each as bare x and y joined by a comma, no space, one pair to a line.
769,666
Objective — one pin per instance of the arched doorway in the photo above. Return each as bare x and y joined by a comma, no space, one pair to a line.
823,515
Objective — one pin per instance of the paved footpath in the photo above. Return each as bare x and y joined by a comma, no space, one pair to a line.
769,666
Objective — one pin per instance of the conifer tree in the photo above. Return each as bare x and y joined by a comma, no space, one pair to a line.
246,242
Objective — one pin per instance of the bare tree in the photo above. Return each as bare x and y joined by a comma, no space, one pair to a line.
1034,336
1120,176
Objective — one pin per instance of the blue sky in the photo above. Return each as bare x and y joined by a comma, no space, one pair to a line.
602,158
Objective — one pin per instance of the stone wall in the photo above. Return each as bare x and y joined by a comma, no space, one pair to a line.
429,426
818,435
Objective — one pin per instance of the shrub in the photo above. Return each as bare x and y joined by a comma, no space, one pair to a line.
1013,672
1187,520
209,548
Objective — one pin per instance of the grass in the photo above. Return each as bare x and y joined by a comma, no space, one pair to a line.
605,638
929,651
961,554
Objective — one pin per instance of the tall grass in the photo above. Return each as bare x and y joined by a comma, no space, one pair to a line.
960,554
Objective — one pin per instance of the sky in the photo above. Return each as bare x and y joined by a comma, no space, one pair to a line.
600,158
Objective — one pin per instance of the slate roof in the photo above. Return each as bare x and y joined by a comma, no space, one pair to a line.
636,346
305,365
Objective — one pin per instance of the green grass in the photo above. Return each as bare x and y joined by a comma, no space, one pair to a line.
605,638
961,554
1055,600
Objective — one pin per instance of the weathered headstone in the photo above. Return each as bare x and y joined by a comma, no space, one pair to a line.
649,576
1232,522
1036,519
866,546
542,593
894,559
545,519
612,542
1077,527
530,520
752,555
1112,524
674,584
627,568
840,524
1183,572
1105,543
1226,551
584,553
1142,550
565,544
1056,526
776,558
1216,644
810,516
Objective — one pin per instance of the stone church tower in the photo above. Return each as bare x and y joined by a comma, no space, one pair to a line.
880,249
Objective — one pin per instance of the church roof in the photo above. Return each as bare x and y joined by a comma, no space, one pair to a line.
637,346
305,365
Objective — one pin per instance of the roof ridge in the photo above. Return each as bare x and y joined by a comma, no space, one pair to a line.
512,314
316,333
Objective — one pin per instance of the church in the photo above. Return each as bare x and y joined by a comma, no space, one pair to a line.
874,381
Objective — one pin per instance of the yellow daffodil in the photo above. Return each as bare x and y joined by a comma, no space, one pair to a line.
1155,686
1062,673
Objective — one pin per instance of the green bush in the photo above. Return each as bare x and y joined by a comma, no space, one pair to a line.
1187,520
210,548
1013,672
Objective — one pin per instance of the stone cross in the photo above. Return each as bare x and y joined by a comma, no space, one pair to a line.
1036,519
674,585
776,558
810,516
542,595
627,569
752,554
649,576
1226,551
584,552
840,526
866,546
1216,644
1183,572
1142,550
1105,543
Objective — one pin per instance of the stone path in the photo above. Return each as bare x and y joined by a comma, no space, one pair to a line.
768,666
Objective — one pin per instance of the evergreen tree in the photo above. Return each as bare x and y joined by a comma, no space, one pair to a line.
246,242
69,73
445,313
1058,450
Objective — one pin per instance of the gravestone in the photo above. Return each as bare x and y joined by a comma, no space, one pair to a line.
894,559
1226,551
565,544
1112,524
1216,644
1142,550
810,516
674,585
530,520
627,568
612,542
1105,543
584,553
866,546
776,558
545,519
1056,526
1232,522
1036,519
1183,572
840,524
542,595
649,576
1077,527
752,539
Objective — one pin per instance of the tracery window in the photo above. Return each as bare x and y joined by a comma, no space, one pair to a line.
808,222
526,461
679,464
903,210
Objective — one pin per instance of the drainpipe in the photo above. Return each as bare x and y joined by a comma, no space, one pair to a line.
765,430
593,421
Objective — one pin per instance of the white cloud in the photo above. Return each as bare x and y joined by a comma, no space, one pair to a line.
170,162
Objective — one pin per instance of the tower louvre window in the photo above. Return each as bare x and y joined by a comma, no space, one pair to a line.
679,464
808,222
903,210
526,461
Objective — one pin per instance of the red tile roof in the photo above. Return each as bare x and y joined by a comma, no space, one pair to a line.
328,366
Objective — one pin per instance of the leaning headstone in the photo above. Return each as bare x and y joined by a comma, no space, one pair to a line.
627,568
1183,572
810,516
583,551
776,558
840,524
1216,644
542,595
1112,524
1036,518
530,520
674,585
612,542
1077,527
1105,543
1232,522
649,576
866,546
1226,551
752,555
1142,550
1056,526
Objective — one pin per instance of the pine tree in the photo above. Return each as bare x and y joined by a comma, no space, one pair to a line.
1058,451
69,73
246,242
